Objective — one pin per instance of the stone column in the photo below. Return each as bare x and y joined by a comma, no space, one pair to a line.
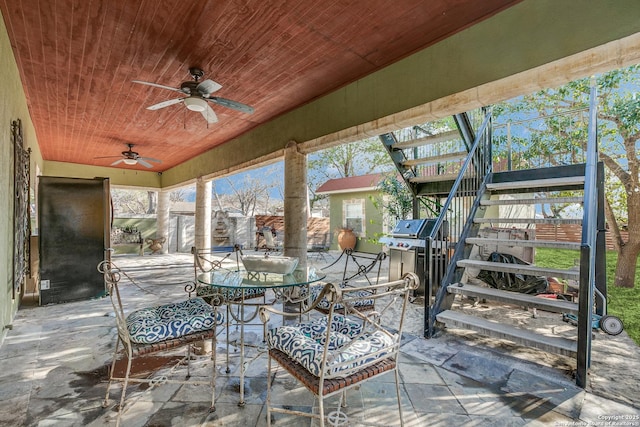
203,214
295,203
162,225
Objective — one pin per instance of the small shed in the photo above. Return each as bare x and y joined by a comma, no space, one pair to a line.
351,204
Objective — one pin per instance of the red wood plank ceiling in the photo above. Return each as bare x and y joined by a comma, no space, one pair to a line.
77,60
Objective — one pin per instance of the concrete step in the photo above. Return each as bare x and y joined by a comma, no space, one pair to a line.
539,201
433,160
530,270
556,345
552,221
428,140
523,243
537,183
514,298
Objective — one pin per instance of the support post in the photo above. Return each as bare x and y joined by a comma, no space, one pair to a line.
162,229
295,203
203,214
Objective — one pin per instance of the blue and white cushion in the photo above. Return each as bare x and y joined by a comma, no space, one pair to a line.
154,324
304,343
230,294
361,298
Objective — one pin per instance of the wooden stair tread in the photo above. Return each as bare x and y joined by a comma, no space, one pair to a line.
434,178
539,201
523,243
557,345
547,182
515,298
528,220
427,140
461,155
520,269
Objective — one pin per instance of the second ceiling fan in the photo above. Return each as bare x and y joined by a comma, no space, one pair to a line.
196,96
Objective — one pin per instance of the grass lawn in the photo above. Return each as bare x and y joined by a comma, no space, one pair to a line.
621,302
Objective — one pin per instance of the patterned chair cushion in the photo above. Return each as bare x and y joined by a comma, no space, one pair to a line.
361,300
304,343
154,324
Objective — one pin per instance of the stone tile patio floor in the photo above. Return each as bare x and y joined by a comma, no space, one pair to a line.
53,371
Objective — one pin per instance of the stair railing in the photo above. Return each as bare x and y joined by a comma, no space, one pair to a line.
588,247
452,225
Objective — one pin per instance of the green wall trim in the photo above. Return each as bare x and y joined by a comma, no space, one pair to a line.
117,176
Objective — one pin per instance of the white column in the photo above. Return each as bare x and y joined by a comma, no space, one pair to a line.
203,214
162,224
295,203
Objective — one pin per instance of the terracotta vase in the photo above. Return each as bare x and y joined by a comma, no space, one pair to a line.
346,239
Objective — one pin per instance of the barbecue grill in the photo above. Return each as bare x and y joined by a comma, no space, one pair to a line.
407,243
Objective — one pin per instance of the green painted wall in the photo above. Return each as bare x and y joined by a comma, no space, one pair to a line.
373,220
117,176
13,106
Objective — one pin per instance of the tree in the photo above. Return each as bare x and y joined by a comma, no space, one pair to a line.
134,201
561,137
178,195
251,194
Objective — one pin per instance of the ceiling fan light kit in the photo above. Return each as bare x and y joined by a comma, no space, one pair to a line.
130,157
195,103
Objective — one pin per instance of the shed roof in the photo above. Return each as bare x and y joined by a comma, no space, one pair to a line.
350,184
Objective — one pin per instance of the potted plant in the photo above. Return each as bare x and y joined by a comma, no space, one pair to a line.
346,238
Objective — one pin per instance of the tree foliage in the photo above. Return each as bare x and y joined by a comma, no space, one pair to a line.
397,200
251,195
130,201
560,135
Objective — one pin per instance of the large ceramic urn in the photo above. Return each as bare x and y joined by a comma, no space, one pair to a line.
346,239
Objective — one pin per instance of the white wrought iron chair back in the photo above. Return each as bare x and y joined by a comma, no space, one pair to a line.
340,350
156,329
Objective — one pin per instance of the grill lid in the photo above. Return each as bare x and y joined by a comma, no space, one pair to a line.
408,228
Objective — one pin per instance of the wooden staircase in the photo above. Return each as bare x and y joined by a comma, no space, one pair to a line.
456,166
469,198
516,189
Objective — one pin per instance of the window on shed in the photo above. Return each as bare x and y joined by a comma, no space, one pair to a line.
353,215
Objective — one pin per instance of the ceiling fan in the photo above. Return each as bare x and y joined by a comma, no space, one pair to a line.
195,96
130,157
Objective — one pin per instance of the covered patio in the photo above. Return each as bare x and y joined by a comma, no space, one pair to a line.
296,78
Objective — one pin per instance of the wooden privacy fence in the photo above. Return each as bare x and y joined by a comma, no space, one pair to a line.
568,233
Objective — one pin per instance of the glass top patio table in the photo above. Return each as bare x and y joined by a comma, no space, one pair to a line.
242,279
237,286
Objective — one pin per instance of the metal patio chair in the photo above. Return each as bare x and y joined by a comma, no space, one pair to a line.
271,244
339,351
213,259
157,329
319,245
359,269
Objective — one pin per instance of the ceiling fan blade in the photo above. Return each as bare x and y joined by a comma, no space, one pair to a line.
150,159
207,87
157,85
209,115
107,157
231,104
165,104
143,163
117,162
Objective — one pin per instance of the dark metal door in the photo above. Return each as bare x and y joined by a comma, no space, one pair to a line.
74,217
